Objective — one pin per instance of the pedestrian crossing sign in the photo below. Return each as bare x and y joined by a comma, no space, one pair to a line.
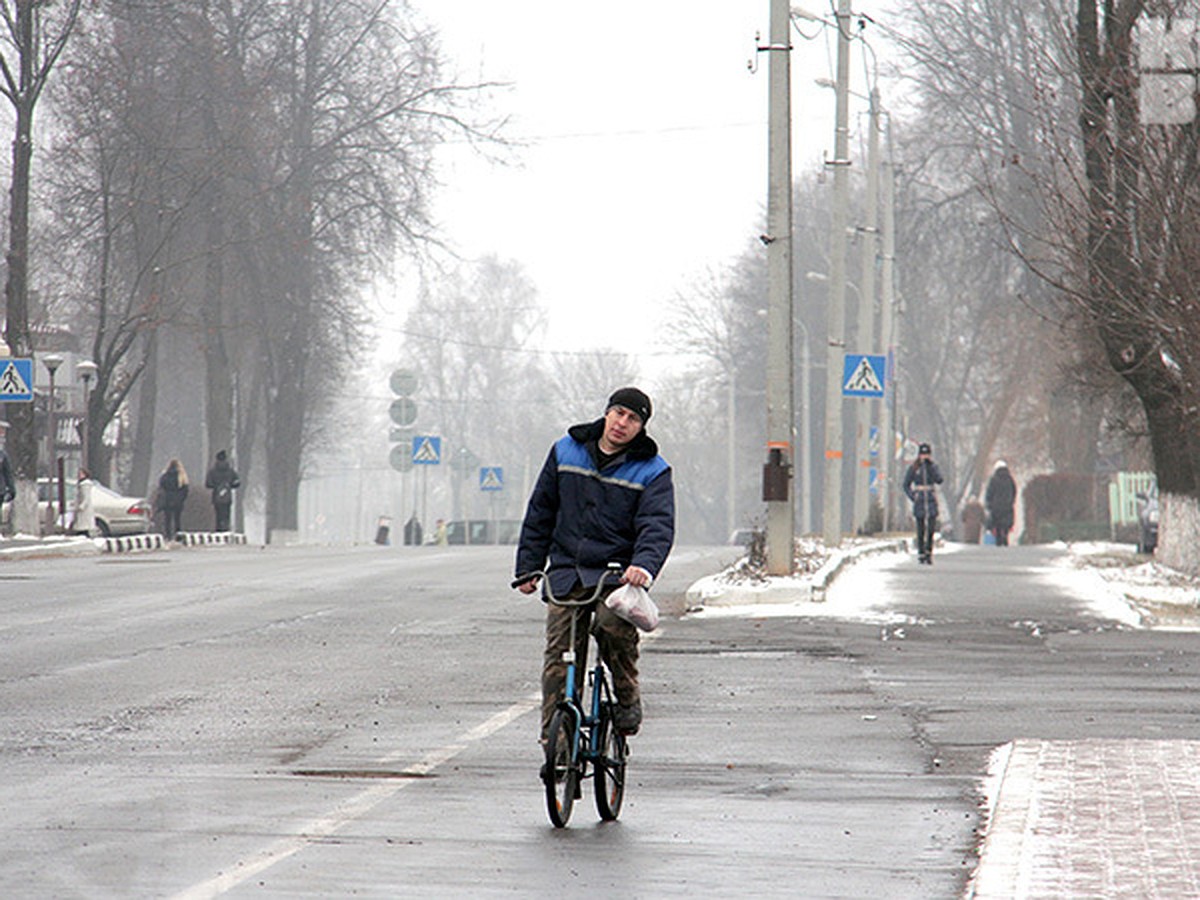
491,478
863,375
16,380
426,450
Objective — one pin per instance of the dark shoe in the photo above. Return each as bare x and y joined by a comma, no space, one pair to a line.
628,719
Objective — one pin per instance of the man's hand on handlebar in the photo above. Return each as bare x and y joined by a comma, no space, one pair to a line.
527,582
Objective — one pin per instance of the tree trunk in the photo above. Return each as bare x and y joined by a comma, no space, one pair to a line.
1178,532
218,382
141,470
22,441
1112,166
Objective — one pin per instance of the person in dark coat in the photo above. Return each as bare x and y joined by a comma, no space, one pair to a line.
973,515
920,486
172,494
413,532
222,480
604,495
1000,499
8,487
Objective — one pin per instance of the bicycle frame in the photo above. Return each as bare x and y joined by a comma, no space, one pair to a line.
599,689
596,682
582,737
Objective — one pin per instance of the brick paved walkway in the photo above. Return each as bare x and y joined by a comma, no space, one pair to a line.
1096,818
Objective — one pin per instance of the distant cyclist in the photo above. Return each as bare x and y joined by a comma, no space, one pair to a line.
604,495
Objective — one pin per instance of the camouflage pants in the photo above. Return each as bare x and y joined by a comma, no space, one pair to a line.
618,642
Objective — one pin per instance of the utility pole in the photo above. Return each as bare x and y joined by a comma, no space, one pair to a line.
777,472
832,518
869,234
887,441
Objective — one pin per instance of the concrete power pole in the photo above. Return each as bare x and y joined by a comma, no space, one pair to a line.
777,473
866,316
887,442
832,517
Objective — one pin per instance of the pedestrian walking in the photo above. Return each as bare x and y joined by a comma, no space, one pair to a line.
604,495
172,494
8,487
1001,499
222,480
973,516
920,486
413,532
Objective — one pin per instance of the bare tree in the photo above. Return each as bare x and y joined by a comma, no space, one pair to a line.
475,338
33,38
359,105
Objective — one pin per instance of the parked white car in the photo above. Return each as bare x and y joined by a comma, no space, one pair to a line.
100,511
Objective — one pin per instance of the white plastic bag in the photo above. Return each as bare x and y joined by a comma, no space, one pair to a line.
633,604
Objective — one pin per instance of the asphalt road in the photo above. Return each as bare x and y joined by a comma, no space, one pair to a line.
325,722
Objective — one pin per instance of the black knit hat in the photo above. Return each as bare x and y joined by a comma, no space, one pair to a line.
633,400
924,448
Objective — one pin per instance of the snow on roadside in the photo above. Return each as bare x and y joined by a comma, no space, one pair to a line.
1111,579
854,595
1119,584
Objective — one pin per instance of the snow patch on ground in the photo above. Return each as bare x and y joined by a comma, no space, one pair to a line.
1112,580
1123,585
858,594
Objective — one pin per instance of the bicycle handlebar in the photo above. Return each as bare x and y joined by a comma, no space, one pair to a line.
613,569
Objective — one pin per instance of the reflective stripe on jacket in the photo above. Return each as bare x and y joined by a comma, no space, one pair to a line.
580,517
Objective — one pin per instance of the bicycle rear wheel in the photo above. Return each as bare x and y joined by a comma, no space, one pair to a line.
561,772
610,769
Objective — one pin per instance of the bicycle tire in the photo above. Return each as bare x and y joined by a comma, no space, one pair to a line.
562,773
609,774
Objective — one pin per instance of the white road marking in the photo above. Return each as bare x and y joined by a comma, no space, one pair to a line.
354,808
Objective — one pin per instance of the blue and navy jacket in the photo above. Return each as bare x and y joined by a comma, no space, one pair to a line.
919,484
580,517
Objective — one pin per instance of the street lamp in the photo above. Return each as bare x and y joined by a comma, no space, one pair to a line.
86,370
52,361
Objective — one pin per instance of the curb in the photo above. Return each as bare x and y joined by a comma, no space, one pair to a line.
825,575
130,543
795,589
133,543
50,549
202,538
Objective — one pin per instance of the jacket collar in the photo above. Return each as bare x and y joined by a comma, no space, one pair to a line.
641,447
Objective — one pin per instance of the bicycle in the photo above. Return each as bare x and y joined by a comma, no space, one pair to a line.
583,742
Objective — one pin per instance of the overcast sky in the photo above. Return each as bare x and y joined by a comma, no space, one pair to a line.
646,162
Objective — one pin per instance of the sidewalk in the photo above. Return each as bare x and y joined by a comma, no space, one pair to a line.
1086,817
1092,818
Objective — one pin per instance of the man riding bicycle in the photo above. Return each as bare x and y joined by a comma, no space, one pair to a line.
604,495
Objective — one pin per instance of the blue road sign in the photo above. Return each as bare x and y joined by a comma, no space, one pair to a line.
16,380
426,450
862,375
491,478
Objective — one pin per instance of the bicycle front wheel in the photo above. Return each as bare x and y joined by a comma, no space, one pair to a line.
610,770
561,772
